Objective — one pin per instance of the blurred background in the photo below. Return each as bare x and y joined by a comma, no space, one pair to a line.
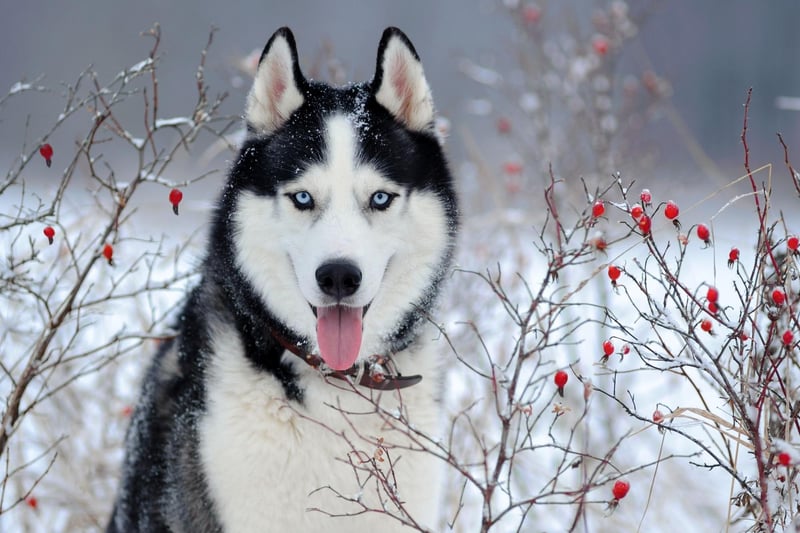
708,53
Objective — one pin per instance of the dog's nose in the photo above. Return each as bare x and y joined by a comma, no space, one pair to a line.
338,278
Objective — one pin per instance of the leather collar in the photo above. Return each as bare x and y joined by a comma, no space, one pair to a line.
379,372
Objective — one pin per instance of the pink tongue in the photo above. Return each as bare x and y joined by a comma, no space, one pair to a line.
339,335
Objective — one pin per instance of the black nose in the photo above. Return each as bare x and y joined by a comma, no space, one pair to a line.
338,278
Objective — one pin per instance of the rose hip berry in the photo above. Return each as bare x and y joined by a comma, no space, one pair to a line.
600,45
614,273
787,337
46,151
512,168
598,209
645,224
503,125
671,210
560,379
792,243
646,197
706,325
49,232
608,347
531,14
621,488
778,296
599,243
658,416
108,253
784,459
712,295
175,197
733,256
636,211
704,234
33,503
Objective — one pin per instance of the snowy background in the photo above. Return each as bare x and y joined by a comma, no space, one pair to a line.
683,144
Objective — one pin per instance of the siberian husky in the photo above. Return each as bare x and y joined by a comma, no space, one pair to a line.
302,390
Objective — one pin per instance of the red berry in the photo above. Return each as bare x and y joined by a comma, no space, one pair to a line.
712,295
608,348
713,308
645,224
614,272
705,325
778,297
671,210
560,378
787,337
108,253
599,243
646,197
733,256
626,349
703,233
621,488
512,168
503,125
598,209
47,153
658,416
32,502
793,242
600,45
175,197
784,459
637,211
531,14
49,232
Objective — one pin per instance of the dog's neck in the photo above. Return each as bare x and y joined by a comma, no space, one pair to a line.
379,372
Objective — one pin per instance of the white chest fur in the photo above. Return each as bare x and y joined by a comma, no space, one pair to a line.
269,461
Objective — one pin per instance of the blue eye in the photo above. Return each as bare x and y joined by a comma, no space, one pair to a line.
381,200
302,200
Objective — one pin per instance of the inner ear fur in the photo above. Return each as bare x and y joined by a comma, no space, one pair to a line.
277,90
399,84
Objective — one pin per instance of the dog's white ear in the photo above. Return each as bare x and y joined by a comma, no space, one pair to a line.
278,87
399,84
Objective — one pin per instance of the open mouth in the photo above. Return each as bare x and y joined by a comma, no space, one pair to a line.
339,330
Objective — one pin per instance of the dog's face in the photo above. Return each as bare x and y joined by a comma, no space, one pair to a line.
344,214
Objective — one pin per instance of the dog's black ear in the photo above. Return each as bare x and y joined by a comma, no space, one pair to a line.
399,84
279,84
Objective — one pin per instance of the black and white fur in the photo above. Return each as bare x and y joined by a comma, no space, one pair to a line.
232,432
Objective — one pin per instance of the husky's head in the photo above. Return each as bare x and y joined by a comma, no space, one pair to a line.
340,203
